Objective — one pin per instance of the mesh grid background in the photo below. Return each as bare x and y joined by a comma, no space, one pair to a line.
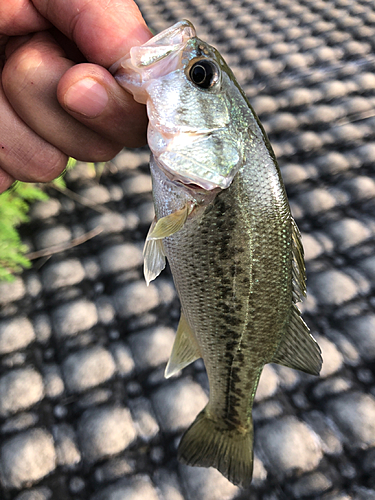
308,70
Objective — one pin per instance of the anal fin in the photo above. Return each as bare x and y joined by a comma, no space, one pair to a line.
298,348
185,349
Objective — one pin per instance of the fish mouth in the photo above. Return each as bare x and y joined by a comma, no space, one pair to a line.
155,58
192,183
203,187
210,182
202,190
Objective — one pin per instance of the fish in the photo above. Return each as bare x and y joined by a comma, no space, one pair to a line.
223,222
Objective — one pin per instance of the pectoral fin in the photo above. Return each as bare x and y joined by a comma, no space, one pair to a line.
154,257
299,349
170,224
185,349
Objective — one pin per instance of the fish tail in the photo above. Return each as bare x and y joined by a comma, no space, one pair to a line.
208,443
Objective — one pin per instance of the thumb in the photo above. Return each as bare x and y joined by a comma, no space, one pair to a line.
92,96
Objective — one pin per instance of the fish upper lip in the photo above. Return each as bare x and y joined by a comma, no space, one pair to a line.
183,29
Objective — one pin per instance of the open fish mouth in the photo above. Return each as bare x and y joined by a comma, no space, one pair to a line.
194,184
154,59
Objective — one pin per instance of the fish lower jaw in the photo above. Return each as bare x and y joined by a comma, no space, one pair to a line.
191,184
172,153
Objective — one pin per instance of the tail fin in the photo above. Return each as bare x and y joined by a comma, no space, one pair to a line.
213,444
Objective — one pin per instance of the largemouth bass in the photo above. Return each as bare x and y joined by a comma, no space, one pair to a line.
224,224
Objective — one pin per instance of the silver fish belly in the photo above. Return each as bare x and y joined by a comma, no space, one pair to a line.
231,242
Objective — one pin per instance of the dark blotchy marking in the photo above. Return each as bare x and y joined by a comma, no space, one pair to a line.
233,416
235,270
232,424
241,357
231,344
234,401
231,319
234,377
226,319
236,422
224,308
249,386
220,205
245,281
224,287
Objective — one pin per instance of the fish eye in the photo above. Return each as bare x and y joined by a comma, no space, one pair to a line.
204,74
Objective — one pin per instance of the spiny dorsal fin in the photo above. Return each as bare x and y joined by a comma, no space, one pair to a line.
170,224
154,256
298,348
185,349
299,275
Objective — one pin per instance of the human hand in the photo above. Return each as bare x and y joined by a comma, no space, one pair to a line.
52,107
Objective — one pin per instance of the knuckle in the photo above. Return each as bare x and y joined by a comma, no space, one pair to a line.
102,150
53,169
45,166
19,71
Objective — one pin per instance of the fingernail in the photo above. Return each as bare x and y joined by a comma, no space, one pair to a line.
86,97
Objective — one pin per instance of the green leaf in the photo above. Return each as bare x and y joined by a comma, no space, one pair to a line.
14,207
72,162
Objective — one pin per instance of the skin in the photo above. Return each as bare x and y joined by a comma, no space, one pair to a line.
57,98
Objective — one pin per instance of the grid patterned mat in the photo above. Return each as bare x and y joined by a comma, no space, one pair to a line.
85,412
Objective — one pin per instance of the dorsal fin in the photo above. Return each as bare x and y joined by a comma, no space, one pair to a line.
298,264
298,348
185,349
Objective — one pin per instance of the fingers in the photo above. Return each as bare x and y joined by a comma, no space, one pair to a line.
30,79
51,108
90,94
23,154
20,17
6,180
104,30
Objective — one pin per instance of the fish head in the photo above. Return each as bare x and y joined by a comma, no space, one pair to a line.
195,131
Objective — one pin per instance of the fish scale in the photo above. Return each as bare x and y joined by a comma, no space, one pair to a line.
223,222
223,296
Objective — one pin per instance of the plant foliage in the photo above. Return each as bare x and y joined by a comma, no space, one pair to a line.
14,207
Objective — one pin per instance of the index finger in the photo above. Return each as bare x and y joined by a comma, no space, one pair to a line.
19,17
104,30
